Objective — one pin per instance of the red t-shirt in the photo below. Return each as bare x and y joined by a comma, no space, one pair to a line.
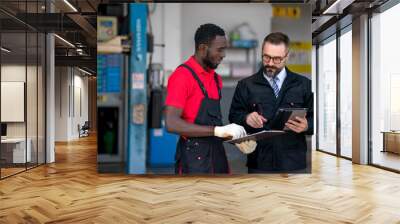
184,92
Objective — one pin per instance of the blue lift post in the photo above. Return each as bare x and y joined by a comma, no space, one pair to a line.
137,128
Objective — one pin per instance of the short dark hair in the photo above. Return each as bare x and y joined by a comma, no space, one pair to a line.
277,38
206,33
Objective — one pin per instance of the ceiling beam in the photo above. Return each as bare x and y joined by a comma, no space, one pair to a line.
81,61
89,30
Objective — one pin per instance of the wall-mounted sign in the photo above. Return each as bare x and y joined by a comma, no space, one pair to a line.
138,114
288,12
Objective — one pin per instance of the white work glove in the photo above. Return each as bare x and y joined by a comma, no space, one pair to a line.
231,130
247,147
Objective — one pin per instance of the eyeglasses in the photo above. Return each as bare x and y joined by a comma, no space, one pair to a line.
276,60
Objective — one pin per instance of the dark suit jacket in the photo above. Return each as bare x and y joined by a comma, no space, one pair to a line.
281,153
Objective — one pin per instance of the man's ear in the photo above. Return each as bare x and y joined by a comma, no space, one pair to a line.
203,48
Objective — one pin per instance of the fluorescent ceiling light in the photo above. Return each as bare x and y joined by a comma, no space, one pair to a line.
84,71
65,41
70,5
5,49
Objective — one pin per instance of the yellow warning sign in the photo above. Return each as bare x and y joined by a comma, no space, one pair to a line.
288,12
300,45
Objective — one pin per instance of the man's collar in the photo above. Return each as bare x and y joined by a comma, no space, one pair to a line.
195,65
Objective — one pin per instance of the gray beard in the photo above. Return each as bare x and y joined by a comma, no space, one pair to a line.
271,74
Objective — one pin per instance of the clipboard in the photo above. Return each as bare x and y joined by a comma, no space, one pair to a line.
257,136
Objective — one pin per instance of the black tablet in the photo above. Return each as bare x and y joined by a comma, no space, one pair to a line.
285,114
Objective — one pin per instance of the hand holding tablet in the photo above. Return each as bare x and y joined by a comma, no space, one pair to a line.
286,116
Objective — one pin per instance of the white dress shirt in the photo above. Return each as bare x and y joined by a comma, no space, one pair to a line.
281,77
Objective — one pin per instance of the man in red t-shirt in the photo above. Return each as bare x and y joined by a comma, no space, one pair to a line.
193,108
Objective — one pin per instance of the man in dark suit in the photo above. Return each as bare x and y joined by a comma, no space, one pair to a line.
258,97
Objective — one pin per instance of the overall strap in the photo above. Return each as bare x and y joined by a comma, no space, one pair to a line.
203,89
218,87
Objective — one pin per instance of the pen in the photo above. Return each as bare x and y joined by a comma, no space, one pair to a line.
259,110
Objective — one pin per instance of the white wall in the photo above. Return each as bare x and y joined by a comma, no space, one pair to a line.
227,16
70,83
81,84
175,24
167,29
16,73
297,29
13,73
61,103
33,126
